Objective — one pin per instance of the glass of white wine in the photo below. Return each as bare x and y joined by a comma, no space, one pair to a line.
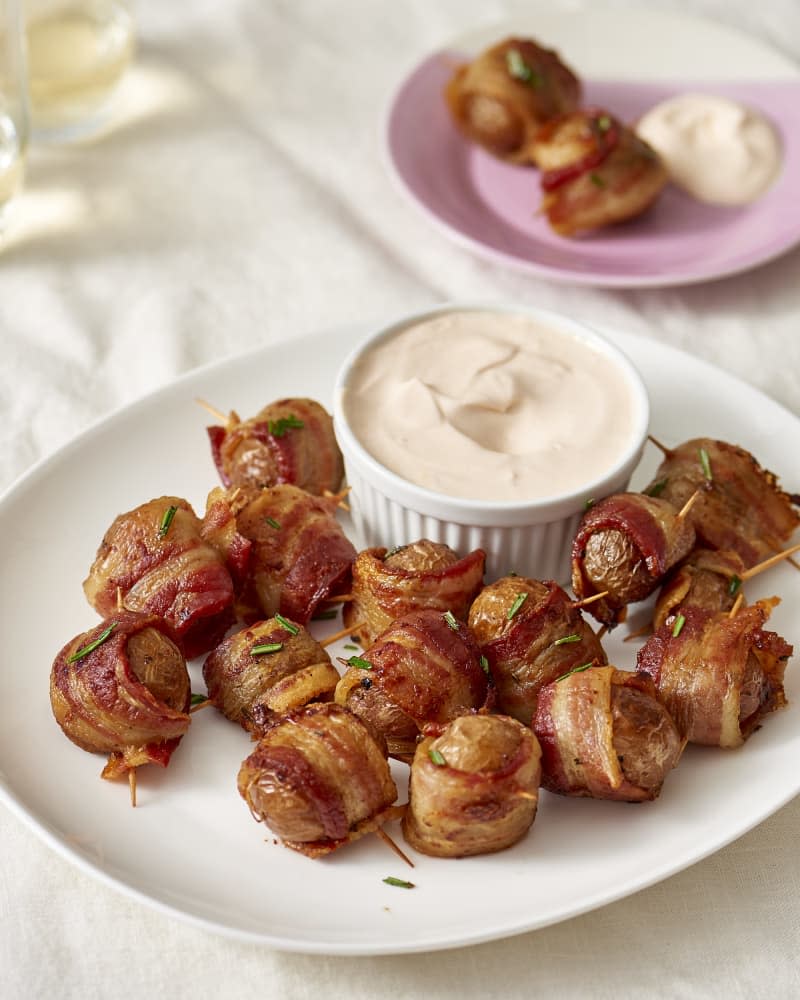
78,52
14,117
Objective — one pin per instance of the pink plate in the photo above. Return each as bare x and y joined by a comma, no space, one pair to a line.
490,207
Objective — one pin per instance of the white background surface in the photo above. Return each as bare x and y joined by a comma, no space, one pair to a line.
240,200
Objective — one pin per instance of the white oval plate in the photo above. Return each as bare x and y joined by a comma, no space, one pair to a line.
191,849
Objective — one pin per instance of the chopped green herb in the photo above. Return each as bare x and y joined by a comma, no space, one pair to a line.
597,180
360,662
289,626
400,882
567,638
350,645
198,699
518,602
166,520
519,69
657,488
278,428
680,621
92,646
451,620
325,615
272,523
734,585
485,665
575,670
437,757
393,552
589,504
604,123
705,461
266,647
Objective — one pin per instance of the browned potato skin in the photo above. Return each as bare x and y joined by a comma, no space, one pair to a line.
614,564
159,665
645,737
483,797
250,689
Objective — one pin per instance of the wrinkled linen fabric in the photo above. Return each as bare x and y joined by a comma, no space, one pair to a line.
238,199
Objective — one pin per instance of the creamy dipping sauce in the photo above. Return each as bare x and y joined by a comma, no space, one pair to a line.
490,406
717,150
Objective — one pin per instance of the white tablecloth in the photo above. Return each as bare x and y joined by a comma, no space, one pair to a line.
240,199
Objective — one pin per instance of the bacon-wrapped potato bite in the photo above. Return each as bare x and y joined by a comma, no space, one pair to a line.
388,584
123,689
155,560
288,441
530,633
502,98
267,669
424,669
473,789
706,578
624,546
604,734
595,171
718,675
285,546
319,779
739,506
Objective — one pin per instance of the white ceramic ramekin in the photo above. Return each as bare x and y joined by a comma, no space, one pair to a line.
533,537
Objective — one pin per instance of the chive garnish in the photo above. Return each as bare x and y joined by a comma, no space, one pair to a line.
734,585
705,461
350,645
680,621
484,665
359,662
289,626
325,615
278,428
400,882
166,520
90,647
567,638
272,523
597,180
657,488
437,757
575,670
518,602
589,504
521,70
266,647
198,699
451,620
393,552
604,123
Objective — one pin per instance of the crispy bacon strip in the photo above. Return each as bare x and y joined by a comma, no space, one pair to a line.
266,670
474,789
740,506
389,584
605,735
298,554
501,99
160,564
128,697
530,632
288,441
718,676
596,171
706,578
624,545
319,779
423,669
